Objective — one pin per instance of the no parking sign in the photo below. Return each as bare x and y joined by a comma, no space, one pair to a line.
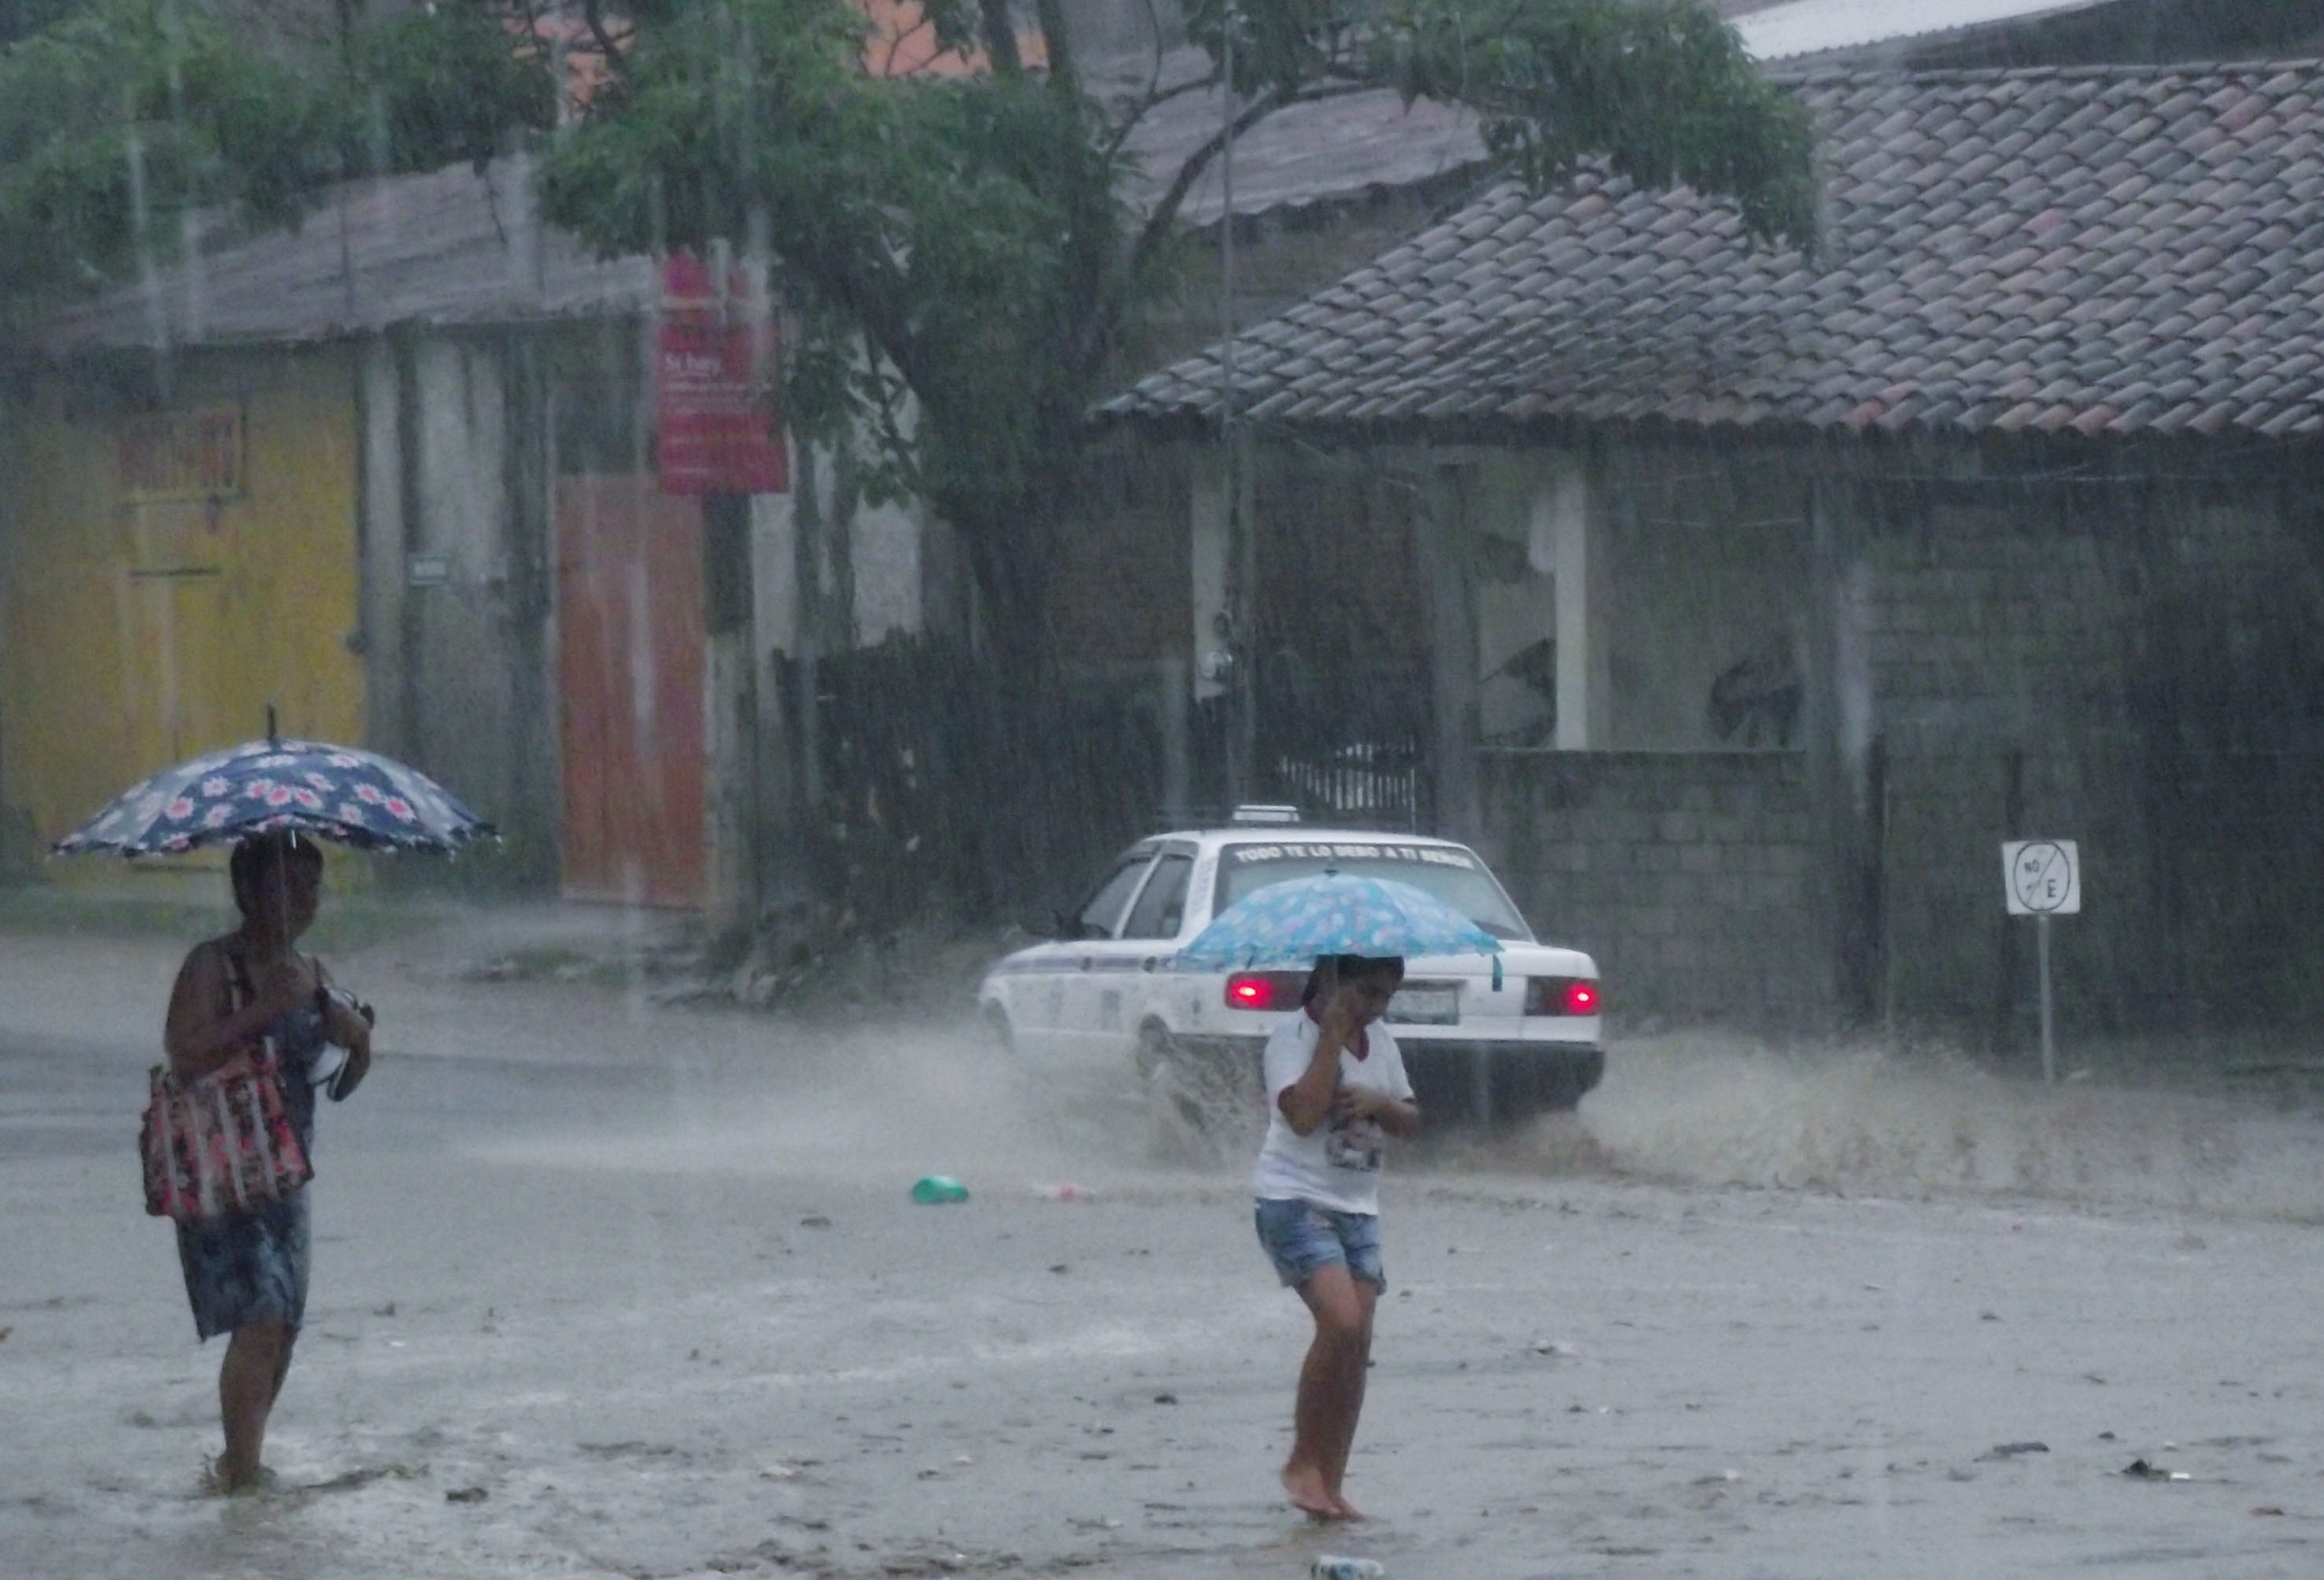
2042,878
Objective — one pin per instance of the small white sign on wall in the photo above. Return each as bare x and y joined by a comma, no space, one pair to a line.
2042,878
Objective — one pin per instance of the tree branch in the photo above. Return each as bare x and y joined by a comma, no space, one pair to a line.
1001,40
864,288
1153,100
1059,47
1163,217
593,13
893,42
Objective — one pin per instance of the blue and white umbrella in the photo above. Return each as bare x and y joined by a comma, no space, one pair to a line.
335,793
1290,924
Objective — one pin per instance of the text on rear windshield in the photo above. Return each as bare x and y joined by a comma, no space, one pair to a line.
1434,855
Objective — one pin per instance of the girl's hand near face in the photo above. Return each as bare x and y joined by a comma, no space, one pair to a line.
1343,1014
1353,1006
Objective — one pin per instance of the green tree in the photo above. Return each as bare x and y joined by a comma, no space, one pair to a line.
957,243
969,229
122,121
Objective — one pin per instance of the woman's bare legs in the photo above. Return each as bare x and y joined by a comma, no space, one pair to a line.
1331,1391
257,1359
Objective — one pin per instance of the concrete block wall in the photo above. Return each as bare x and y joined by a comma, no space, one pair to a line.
2050,663
1689,876
1996,638
1119,590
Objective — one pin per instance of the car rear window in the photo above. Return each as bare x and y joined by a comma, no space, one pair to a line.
1162,904
1452,874
1102,909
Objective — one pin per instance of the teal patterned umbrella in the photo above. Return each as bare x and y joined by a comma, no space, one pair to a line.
1289,924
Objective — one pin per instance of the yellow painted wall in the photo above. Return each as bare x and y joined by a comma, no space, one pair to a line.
135,633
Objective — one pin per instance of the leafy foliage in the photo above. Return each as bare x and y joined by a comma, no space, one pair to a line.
448,82
952,242
121,118
20,17
961,236
957,225
1660,88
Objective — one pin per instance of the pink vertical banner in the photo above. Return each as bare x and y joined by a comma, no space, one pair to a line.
717,429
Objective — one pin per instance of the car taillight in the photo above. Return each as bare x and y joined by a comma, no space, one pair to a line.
1567,996
1265,990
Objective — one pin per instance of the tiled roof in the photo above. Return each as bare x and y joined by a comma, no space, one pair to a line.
2107,250
454,247
1302,156
1319,153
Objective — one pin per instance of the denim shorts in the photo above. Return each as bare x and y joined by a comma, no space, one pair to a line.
1300,1236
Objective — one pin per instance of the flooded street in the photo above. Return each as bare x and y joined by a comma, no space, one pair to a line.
603,1288
839,609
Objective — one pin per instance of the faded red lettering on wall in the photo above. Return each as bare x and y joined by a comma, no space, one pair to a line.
183,456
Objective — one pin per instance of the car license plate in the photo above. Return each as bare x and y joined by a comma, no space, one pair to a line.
1425,1006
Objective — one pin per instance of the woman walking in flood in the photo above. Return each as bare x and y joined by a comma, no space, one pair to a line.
1336,1088
246,1272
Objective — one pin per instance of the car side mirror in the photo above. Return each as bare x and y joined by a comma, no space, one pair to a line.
1065,929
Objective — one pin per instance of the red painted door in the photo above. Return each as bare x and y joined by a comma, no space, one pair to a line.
630,640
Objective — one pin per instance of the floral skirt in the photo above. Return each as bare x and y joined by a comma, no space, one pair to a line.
247,1266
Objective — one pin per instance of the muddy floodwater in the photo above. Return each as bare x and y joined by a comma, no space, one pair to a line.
605,1289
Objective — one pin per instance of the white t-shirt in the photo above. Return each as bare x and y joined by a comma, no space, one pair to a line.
1337,1164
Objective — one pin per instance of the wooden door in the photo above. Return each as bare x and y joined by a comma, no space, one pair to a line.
172,653
629,644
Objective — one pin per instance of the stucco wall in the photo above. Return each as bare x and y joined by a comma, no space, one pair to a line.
458,580
2123,648
2115,643
1706,553
139,626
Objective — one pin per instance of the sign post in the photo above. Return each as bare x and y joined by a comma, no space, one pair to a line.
2042,878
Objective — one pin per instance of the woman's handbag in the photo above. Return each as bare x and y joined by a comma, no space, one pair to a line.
223,1144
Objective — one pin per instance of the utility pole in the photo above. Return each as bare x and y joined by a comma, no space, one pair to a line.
1241,546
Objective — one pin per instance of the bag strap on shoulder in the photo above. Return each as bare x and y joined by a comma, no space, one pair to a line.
238,989
241,991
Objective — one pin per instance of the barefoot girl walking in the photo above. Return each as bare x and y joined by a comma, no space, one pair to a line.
1336,1088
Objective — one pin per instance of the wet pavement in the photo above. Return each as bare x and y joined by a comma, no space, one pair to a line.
607,1289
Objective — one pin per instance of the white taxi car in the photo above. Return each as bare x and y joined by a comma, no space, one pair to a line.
1109,995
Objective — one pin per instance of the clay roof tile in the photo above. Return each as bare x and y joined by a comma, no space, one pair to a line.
2110,249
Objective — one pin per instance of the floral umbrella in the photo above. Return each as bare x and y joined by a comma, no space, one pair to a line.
1290,924
337,793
